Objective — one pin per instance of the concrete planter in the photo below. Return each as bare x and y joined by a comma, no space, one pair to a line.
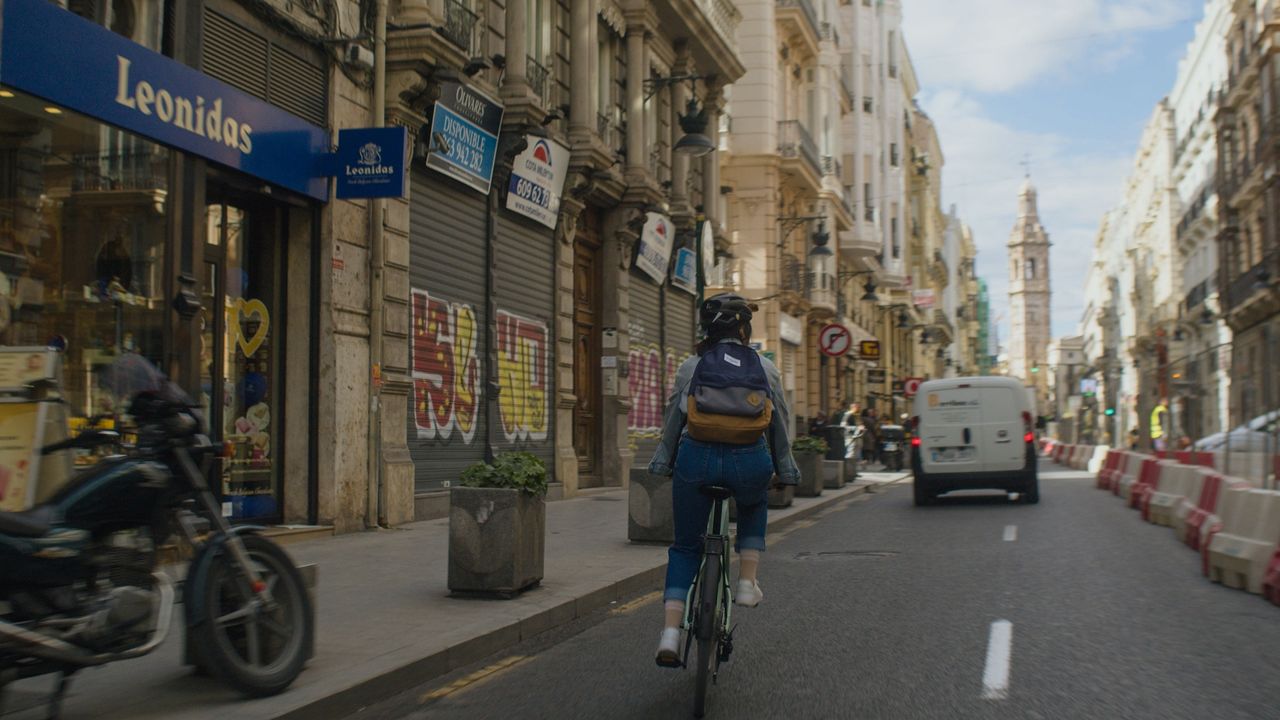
833,474
649,516
780,498
810,474
850,471
497,539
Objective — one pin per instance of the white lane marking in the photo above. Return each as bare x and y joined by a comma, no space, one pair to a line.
995,680
1010,533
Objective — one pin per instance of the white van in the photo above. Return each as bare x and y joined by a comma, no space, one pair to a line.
971,434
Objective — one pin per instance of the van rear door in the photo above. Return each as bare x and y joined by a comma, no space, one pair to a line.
1003,447
950,427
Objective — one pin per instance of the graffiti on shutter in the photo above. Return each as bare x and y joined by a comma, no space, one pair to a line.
523,362
446,368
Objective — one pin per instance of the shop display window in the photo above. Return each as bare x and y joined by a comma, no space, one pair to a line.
82,245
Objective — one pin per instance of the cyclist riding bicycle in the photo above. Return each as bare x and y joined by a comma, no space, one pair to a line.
724,372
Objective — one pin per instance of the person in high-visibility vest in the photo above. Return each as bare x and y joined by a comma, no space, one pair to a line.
1158,415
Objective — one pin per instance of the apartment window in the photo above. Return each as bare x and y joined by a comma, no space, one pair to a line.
538,29
893,154
893,237
868,202
891,54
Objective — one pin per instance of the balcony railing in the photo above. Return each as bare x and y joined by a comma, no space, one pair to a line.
806,6
827,31
1194,210
539,78
795,275
1254,280
120,171
831,166
724,17
794,141
459,24
1196,296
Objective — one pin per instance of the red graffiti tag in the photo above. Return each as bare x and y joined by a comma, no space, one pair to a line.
445,368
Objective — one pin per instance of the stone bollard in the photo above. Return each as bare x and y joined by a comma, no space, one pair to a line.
649,515
833,474
783,497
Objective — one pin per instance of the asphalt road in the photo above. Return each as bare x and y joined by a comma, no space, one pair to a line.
879,609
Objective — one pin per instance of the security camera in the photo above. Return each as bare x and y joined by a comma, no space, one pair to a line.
357,56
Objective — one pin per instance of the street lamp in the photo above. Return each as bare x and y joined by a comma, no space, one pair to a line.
695,142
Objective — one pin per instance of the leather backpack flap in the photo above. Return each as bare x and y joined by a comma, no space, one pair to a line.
729,429
735,400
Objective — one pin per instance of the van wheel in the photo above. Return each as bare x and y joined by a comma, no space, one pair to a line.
922,496
1031,495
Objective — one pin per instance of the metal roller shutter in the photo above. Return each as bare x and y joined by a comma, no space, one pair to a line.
647,360
525,289
449,344
680,323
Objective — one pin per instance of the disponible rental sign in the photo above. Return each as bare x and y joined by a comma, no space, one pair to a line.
61,57
537,179
464,135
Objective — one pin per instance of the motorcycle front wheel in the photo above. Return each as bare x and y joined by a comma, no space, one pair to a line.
257,648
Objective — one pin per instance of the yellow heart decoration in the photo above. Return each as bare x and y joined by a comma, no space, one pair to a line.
243,310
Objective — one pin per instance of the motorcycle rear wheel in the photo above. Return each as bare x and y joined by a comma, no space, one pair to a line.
257,650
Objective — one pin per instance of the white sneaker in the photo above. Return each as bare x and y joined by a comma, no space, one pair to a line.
749,593
668,654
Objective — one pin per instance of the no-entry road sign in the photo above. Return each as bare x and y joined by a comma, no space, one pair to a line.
911,386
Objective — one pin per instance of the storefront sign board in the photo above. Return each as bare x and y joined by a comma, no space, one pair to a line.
537,181
72,62
372,162
684,273
468,121
654,249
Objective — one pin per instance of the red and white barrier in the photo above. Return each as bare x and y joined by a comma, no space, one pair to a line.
1099,457
1177,484
1129,477
1149,484
1238,555
1203,517
1113,460
1148,470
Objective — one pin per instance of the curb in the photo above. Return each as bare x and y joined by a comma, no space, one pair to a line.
349,701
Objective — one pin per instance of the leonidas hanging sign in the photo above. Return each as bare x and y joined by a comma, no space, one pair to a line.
537,179
653,253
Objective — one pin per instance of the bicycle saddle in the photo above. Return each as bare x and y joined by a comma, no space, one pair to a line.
716,492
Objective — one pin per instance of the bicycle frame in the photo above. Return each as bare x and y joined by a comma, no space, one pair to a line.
714,542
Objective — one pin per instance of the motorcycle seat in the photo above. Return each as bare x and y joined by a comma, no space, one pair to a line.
36,522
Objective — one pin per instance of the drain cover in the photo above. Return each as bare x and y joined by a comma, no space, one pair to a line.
846,554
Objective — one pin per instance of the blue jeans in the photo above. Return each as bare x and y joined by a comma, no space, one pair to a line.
745,469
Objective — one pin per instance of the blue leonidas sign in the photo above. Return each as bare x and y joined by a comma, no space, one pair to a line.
371,162
65,59
464,135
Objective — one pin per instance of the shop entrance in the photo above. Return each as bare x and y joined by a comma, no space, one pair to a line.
242,342
587,291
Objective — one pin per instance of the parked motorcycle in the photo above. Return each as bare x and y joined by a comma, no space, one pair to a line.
80,577
893,440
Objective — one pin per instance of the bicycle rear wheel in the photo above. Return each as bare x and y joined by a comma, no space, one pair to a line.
708,635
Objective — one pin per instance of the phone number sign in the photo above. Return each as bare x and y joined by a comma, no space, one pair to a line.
537,180
464,135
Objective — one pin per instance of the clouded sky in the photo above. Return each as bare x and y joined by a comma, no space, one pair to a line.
1069,84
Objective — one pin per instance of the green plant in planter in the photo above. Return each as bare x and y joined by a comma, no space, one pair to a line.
810,444
512,470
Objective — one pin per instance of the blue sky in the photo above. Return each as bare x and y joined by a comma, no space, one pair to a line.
1069,84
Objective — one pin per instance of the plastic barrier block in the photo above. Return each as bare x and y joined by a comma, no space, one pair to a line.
1182,510
1155,483
1099,457
1135,493
1108,467
1211,490
1230,502
1174,488
1271,585
1239,554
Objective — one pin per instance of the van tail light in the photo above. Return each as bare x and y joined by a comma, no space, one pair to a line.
1029,437
915,441
1028,427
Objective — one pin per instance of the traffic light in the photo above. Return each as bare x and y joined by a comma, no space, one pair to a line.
1035,368
1109,411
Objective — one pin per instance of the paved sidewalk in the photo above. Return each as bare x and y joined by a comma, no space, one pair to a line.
385,621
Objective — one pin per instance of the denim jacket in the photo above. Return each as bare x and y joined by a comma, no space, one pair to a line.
673,424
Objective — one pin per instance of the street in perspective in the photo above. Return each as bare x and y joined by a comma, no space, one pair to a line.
380,359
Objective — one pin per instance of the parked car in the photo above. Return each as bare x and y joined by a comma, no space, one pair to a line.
974,433
1260,434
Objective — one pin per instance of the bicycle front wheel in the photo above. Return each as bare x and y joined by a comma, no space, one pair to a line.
707,630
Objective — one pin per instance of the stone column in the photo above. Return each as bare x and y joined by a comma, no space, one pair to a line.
637,72
515,80
679,160
566,457
581,87
714,104
418,11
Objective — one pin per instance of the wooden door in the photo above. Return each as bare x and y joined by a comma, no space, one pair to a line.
586,354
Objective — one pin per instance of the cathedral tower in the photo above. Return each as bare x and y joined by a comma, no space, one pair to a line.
1029,297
